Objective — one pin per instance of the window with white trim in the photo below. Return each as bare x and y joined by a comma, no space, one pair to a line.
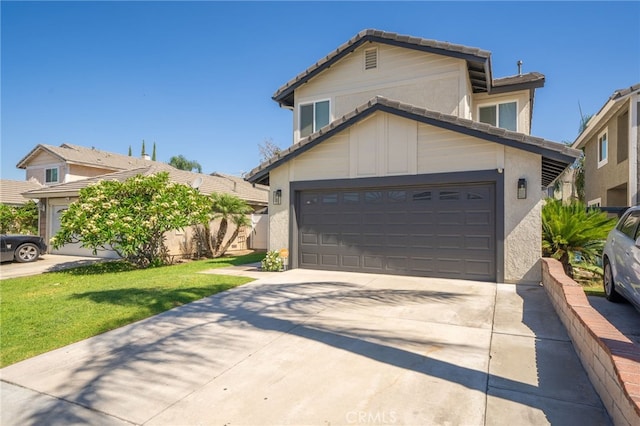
603,149
594,203
313,117
51,175
503,115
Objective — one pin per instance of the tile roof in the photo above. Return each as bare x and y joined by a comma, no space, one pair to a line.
478,63
11,190
76,154
555,156
253,194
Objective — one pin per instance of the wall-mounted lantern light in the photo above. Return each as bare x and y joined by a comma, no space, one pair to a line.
522,189
277,197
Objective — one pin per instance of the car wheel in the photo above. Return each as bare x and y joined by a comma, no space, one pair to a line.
27,252
609,285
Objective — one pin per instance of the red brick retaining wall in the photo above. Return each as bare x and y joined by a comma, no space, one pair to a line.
611,360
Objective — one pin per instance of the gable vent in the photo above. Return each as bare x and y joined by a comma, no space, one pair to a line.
371,59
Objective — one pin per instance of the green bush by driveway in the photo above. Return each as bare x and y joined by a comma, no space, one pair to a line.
48,311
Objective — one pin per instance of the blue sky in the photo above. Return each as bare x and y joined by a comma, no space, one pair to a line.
197,78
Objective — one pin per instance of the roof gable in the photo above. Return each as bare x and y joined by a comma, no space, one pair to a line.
91,157
478,64
252,193
555,156
610,107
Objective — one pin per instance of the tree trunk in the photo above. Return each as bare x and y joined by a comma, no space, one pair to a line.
222,231
223,250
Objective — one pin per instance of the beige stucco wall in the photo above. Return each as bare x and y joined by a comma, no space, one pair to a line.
77,172
423,79
612,174
362,151
523,102
522,221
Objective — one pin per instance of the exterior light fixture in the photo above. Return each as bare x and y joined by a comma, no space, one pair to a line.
277,197
522,189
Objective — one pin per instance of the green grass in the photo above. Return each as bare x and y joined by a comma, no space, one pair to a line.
48,311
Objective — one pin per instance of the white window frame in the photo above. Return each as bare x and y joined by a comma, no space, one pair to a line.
596,202
496,104
57,169
605,159
315,127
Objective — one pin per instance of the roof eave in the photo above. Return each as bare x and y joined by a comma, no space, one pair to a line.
552,153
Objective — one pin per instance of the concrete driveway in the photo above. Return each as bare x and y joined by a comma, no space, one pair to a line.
46,263
320,348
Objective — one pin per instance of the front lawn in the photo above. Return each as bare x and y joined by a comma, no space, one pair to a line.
48,311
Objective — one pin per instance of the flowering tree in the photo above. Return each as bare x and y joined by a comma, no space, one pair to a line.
131,217
21,219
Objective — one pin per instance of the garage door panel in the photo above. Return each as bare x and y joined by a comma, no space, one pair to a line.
451,217
443,231
372,262
351,261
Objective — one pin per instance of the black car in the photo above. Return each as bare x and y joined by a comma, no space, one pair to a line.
21,248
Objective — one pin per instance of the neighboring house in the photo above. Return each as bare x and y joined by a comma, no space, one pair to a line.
410,158
611,144
55,199
11,191
51,165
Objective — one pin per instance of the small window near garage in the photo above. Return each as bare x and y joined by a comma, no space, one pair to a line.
351,198
422,196
474,196
310,199
504,115
373,197
449,195
397,196
603,148
313,117
329,198
51,175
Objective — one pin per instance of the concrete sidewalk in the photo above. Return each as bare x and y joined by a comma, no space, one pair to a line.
315,347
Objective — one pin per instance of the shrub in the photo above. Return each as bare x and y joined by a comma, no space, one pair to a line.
573,229
272,262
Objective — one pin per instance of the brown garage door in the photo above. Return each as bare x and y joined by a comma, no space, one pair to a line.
440,231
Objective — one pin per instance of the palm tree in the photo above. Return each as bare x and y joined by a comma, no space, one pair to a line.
571,229
181,163
227,208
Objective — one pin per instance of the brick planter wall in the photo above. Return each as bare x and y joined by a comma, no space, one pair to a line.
611,360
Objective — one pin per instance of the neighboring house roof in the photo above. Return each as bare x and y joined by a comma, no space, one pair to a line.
11,191
611,107
254,194
75,154
478,64
555,156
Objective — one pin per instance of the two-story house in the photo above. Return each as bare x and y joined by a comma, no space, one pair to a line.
409,157
51,165
66,169
611,141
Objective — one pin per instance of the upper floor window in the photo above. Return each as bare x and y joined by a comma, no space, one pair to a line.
503,115
51,175
313,117
603,149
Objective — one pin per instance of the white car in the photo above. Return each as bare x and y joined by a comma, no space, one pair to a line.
621,259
